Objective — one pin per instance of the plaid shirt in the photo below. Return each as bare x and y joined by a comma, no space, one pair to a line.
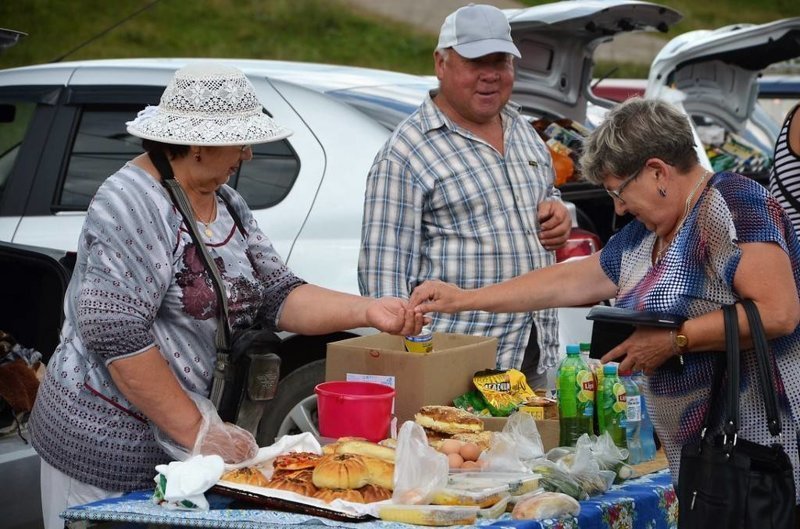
442,203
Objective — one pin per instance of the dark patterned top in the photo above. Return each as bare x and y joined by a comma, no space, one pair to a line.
695,277
139,282
786,171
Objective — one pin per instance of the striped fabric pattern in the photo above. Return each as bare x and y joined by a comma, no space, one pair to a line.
786,169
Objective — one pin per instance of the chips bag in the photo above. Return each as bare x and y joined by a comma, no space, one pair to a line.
503,391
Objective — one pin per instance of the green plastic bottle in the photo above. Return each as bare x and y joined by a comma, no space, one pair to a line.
612,409
576,388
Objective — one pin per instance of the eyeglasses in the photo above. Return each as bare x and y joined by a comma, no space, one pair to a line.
617,193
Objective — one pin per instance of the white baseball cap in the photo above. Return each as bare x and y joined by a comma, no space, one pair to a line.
476,30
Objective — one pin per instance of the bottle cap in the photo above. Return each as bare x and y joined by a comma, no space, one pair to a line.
609,369
585,346
573,349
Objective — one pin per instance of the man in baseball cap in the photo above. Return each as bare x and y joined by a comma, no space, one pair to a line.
477,30
463,192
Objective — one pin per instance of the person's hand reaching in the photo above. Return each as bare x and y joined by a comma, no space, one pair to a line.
393,315
437,296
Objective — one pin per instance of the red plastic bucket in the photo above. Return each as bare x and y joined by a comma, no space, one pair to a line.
358,409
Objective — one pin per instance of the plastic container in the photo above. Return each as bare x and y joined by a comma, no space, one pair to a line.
576,387
357,409
612,407
634,418
435,515
646,433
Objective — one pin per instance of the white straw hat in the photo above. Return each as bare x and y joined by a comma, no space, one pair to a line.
207,104
476,30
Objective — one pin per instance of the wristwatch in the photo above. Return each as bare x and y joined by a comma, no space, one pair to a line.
680,343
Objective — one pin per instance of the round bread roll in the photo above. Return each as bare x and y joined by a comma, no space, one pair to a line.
247,476
341,471
482,439
372,493
328,495
296,485
448,419
381,473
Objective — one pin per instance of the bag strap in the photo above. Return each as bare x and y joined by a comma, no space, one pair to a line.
764,372
181,201
731,426
730,363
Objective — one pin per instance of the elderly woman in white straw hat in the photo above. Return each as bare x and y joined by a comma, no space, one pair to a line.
137,348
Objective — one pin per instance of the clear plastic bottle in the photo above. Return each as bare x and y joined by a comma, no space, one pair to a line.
575,385
612,410
597,370
646,431
633,403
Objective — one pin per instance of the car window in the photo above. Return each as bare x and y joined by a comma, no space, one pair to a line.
14,121
102,146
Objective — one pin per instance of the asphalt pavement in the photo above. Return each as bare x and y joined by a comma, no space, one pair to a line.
428,15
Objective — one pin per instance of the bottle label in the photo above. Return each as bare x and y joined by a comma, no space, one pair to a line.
634,408
421,343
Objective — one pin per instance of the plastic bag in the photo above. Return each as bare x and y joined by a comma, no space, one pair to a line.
512,449
419,469
546,505
556,479
232,443
582,464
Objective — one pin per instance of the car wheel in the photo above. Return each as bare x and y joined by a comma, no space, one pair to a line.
294,408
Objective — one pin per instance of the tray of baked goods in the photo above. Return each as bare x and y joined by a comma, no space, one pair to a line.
348,474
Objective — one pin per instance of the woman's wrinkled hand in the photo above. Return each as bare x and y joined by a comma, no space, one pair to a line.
437,296
395,316
645,350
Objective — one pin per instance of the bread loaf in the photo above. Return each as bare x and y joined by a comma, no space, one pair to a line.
448,420
366,448
380,472
302,486
341,471
247,476
328,495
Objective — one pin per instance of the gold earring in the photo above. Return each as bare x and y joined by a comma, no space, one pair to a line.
662,191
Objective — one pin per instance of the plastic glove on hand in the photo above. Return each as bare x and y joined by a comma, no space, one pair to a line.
232,443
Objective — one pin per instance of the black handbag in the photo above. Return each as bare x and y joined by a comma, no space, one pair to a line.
247,366
729,482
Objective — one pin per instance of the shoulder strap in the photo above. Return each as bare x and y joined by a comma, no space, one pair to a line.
181,202
731,426
764,372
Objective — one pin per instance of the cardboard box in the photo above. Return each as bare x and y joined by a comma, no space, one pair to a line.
549,429
418,378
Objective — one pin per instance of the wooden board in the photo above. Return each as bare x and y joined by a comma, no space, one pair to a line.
648,467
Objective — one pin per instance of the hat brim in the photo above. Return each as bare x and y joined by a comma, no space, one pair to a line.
175,129
479,48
